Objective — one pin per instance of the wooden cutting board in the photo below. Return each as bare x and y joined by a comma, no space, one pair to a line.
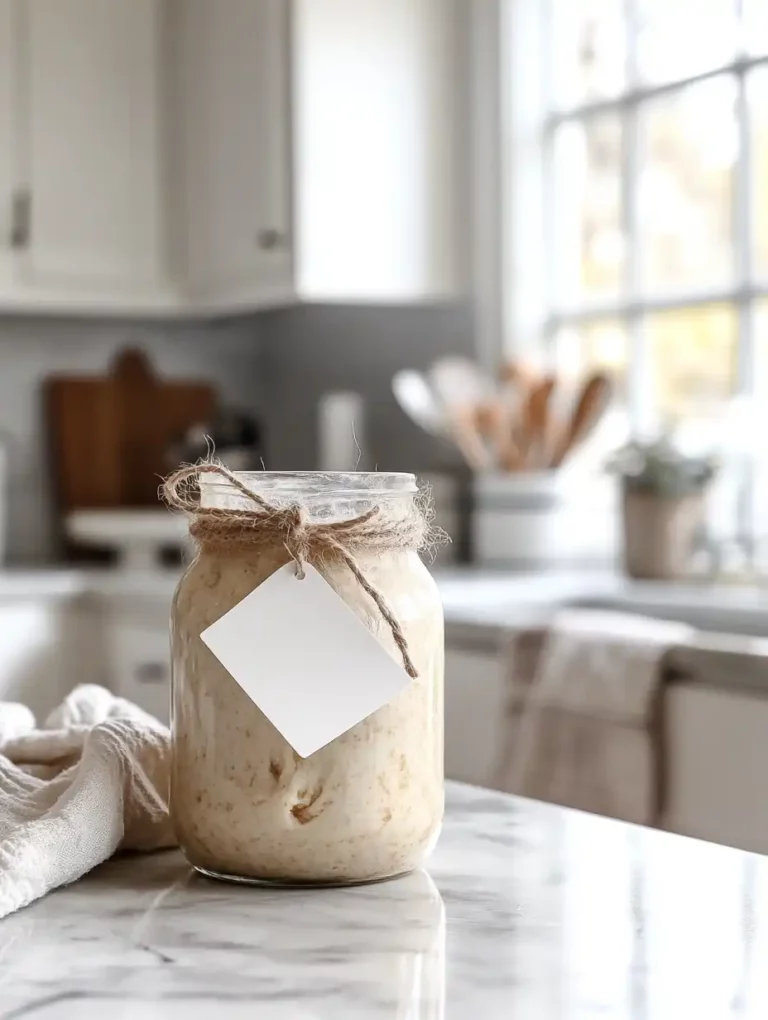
109,435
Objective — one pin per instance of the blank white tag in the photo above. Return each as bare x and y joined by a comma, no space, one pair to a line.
300,653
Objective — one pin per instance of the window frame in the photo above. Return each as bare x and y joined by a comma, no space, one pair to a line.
530,315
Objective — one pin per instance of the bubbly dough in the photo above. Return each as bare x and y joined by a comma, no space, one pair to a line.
366,806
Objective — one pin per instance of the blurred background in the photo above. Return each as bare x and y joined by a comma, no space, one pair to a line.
519,247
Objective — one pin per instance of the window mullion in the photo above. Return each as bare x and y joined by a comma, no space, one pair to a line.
639,386
746,367
641,93
742,240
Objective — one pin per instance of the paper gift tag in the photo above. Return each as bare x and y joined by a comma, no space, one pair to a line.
300,653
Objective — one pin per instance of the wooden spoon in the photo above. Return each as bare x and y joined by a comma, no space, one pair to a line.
537,421
518,373
494,422
593,400
517,382
467,437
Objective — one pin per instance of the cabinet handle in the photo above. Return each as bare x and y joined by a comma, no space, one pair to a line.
21,218
270,239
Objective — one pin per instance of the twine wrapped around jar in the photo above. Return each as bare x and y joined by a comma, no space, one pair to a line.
377,529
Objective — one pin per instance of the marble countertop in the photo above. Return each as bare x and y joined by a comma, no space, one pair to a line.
528,911
492,600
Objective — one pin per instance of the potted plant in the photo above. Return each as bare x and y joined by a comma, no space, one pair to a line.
663,506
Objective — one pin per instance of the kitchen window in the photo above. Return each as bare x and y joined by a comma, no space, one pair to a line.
635,181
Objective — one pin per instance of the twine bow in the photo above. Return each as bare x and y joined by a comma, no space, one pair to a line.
303,539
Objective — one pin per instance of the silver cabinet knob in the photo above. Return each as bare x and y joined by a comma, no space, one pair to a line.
270,239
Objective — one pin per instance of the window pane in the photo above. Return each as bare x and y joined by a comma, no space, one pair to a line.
679,39
600,345
588,49
693,359
587,237
756,26
689,146
757,85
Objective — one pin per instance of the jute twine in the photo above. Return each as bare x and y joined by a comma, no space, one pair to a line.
378,529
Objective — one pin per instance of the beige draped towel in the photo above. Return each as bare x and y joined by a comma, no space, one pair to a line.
585,714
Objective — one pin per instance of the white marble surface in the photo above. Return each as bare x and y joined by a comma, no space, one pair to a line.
529,912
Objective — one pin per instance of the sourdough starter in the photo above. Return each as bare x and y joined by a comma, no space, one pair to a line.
366,806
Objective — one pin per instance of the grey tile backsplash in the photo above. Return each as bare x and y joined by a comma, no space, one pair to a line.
313,349
277,364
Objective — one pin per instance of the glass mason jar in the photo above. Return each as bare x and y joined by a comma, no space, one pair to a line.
366,806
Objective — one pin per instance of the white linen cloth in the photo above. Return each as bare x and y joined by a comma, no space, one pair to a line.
590,732
93,779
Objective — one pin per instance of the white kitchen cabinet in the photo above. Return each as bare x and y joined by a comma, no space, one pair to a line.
317,150
475,703
135,607
232,158
138,655
7,108
191,157
87,226
49,645
715,749
717,759
377,111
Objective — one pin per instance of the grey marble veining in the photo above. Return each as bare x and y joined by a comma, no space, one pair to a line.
529,912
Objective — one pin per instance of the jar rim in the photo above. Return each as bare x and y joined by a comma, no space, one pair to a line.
320,482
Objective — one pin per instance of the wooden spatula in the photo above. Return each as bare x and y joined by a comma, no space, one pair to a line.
494,422
592,402
534,417
463,429
537,421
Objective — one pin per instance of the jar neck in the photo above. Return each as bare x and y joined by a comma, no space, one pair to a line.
327,496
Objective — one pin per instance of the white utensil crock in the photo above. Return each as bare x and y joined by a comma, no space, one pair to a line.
544,520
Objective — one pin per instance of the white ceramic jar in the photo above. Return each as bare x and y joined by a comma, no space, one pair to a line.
544,520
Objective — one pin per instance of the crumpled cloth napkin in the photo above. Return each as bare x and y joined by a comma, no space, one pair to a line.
93,779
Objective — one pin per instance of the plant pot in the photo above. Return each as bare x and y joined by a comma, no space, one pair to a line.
543,520
660,533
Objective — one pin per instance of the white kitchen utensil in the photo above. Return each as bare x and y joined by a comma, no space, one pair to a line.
415,396
456,423
459,382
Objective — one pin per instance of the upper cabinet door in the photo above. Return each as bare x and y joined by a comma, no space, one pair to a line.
232,151
89,227
377,102
7,101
